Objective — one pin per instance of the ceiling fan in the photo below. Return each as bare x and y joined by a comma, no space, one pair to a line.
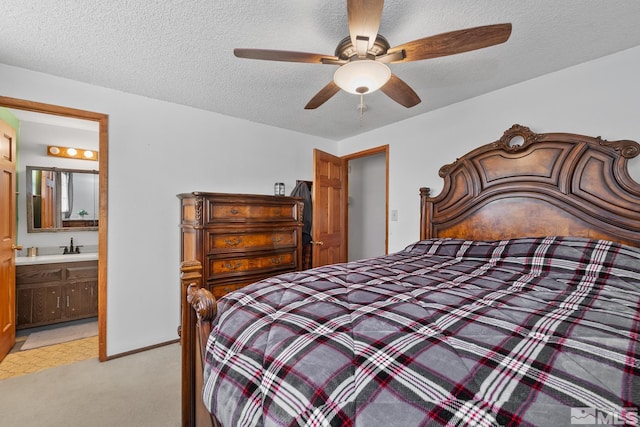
363,56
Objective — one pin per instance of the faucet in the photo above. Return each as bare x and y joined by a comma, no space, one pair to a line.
71,249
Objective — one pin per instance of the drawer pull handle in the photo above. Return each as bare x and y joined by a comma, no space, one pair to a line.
67,300
276,239
233,242
58,302
276,261
317,243
235,211
235,266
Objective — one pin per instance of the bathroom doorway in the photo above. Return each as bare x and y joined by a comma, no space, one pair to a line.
53,112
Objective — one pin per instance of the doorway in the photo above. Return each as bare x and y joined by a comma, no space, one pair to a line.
331,219
366,206
367,203
102,120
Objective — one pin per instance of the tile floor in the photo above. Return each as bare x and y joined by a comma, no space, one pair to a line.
19,362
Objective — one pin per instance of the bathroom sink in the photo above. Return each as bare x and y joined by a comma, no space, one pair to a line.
49,259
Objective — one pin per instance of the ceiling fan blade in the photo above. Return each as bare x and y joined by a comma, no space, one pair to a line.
283,55
400,92
364,22
323,96
453,42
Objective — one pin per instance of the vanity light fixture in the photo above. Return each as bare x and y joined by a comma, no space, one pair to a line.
71,153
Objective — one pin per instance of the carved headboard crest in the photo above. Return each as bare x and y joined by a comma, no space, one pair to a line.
518,138
510,141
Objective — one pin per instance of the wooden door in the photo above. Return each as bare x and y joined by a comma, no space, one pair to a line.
7,238
48,197
329,229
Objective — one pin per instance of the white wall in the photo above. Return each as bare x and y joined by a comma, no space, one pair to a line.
598,98
157,150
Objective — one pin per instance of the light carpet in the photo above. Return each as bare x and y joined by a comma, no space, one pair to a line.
139,390
60,335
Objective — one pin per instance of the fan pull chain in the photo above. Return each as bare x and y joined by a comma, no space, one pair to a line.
361,107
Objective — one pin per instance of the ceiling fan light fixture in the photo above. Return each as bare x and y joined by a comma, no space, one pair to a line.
363,76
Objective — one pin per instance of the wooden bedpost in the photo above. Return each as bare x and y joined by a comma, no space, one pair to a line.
204,306
426,209
190,274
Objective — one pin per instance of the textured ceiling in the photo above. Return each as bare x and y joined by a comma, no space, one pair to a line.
182,51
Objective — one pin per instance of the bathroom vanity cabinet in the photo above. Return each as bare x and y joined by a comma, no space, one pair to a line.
55,292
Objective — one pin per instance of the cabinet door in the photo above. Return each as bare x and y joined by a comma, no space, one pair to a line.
24,307
47,304
81,290
81,299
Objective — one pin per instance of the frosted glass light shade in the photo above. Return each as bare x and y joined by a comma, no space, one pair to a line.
363,76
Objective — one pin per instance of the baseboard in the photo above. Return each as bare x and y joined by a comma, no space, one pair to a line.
140,350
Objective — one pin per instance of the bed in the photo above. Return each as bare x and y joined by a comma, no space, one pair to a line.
518,305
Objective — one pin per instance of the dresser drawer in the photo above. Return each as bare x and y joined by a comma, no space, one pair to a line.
222,287
249,264
250,212
251,240
222,290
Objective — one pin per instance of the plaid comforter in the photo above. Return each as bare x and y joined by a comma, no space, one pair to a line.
446,332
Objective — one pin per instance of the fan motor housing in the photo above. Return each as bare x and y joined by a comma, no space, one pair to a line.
346,50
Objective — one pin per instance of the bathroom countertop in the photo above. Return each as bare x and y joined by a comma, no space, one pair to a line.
49,259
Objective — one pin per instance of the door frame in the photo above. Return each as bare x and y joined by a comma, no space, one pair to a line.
358,155
103,173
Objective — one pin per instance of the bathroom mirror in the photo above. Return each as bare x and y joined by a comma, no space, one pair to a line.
61,199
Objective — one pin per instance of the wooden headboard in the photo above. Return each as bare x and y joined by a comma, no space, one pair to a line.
530,185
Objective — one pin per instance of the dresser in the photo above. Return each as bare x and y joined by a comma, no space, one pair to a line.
228,241
240,238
